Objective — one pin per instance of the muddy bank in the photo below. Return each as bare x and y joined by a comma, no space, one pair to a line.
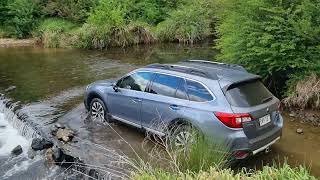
10,42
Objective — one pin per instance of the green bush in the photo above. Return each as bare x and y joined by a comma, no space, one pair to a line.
55,32
189,23
3,11
74,10
108,25
22,16
152,11
273,38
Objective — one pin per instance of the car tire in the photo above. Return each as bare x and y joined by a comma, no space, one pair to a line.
181,136
98,111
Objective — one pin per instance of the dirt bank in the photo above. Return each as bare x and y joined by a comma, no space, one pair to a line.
10,42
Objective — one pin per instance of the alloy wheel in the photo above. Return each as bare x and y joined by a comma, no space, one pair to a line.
97,112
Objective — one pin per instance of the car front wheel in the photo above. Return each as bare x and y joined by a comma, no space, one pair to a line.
98,111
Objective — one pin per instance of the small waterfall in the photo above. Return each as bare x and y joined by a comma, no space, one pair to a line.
17,120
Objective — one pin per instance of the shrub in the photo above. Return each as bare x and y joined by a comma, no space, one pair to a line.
23,16
74,10
108,26
152,11
3,11
55,32
273,38
189,23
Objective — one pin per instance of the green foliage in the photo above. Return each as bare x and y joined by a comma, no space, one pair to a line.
266,173
3,11
189,23
202,154
152,11
274,38
108,25
56,32
75,10
22,16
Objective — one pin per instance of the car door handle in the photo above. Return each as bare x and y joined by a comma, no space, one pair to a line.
136,100
174,107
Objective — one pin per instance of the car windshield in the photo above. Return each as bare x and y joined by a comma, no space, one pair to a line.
248,94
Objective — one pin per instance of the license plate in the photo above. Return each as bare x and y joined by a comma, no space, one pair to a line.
264,120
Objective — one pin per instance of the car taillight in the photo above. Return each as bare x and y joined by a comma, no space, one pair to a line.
233,120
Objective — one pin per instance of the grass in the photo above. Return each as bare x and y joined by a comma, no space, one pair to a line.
5,32
205,159
305,93
267,173
55,32
188,24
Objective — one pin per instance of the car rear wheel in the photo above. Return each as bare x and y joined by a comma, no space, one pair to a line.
98,111
182,137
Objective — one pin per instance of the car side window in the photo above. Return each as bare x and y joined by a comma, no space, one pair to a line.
181,92
197,92
165,85
137,81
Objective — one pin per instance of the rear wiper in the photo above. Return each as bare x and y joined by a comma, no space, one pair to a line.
266,99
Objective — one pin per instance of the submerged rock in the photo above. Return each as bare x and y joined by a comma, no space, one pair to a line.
292,114
40,144
65,135
49,156
299,131
17,151
10,88
31,154
59,126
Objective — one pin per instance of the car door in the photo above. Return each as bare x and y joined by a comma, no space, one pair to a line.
124,103
161,104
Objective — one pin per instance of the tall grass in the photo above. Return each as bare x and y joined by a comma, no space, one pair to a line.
191,22
303,92
202,154
267,173
55,32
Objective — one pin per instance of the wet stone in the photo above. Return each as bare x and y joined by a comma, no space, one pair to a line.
65,135
299,131
17,151
292,114
40,144
10,88
59,126
31,154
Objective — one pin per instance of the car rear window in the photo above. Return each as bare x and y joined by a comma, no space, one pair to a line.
248,94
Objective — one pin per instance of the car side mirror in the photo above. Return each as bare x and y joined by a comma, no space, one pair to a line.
115,88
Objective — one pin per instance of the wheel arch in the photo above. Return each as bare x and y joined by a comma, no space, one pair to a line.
91,96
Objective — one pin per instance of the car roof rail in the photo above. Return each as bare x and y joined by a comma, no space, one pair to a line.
216,64
183,69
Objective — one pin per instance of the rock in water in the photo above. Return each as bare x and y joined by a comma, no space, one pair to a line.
31,154
40,144
17,151
49,156
10,88
299,131
65,135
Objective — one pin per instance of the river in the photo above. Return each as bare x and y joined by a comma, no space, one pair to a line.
47,86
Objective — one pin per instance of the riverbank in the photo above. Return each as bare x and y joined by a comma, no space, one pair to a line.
11,42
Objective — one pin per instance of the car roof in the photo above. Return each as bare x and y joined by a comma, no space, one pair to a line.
226,74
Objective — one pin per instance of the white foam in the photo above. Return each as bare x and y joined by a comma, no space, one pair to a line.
10,138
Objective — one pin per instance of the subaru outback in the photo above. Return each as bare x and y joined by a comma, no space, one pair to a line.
223,101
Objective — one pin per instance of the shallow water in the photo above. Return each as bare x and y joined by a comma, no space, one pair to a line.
49,88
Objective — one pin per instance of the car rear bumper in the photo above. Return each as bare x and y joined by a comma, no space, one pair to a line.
263,148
